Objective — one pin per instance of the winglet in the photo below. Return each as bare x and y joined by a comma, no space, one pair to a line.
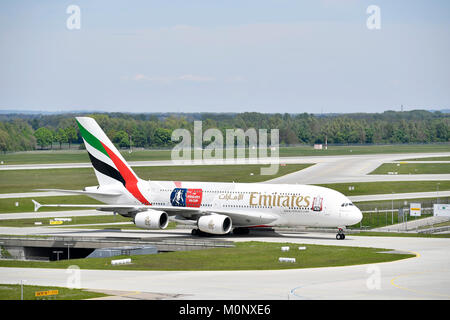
37,205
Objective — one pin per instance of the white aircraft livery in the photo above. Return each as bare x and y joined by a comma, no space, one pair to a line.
212,208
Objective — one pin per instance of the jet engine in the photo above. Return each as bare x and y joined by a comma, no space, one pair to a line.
151,219
215,224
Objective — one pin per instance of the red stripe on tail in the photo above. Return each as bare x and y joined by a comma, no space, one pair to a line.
129,177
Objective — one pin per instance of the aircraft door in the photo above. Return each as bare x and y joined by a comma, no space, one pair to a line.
317,204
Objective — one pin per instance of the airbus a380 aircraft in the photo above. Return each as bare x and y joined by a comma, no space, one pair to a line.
213,208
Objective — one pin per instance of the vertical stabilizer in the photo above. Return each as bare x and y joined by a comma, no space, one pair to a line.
109,165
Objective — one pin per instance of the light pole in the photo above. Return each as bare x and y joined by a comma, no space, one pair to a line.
392,208
68,249
21,288
57,254
437,193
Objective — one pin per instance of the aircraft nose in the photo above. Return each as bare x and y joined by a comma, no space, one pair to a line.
356,215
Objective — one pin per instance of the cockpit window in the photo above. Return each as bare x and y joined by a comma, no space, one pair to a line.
345,204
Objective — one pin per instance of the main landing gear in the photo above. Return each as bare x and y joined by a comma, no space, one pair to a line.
241,231
340,235
198,233
236,231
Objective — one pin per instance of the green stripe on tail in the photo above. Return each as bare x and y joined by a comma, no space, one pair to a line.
92,140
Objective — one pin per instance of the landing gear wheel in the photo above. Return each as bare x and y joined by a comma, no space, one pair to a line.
241,231
340,235
199,233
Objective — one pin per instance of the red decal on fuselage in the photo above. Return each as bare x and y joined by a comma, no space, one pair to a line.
129,177
194,198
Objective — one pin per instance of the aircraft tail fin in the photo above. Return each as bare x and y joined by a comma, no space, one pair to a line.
109,165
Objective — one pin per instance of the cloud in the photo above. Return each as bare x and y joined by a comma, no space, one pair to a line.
195,78
139,77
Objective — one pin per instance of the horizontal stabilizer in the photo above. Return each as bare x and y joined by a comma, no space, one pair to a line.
103,207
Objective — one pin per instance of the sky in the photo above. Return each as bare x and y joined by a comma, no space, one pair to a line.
317,56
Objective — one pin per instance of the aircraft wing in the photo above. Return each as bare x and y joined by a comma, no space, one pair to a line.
240,218
114,207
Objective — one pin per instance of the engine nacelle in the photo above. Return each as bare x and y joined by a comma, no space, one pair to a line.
151,219
215,224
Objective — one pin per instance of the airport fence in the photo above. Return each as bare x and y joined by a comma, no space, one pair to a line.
385,213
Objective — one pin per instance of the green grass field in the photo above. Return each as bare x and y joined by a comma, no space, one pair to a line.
8,205
244,256
381,219
413,168
366,188
106,221
428,159
386,217
27,180
76,156
363,149
400,234
13,292
29,222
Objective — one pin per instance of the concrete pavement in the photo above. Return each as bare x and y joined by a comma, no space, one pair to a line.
341,169
426,276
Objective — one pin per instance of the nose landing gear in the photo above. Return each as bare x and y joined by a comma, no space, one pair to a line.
340,235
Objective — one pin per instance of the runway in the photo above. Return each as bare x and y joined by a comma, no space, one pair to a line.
426,276
357,168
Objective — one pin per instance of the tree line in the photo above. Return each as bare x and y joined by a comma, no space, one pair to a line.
20,132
